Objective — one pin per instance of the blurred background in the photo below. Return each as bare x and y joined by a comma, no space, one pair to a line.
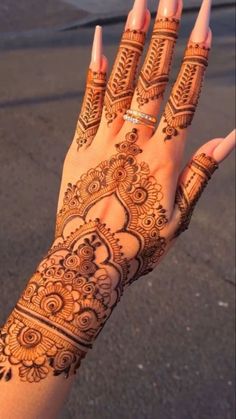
27,15
168,350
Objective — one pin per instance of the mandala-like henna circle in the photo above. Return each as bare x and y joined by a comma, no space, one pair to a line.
120,87
201,169
82,278
79,282
183,100
91,111
154,75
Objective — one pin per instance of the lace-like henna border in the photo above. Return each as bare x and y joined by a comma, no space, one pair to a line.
183,100
154,75
202,168
81,279
120,87
91,111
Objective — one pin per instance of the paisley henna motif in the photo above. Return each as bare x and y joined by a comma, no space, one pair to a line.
83,276
121,84
183,100
91,111
198,173
154,75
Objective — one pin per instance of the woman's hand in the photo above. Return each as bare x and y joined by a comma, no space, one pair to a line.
123,198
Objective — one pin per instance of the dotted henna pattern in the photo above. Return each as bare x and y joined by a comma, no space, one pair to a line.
79,282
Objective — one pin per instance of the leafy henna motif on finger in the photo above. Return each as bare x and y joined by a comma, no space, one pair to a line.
181,106
199,172
120,87
154,75
91,111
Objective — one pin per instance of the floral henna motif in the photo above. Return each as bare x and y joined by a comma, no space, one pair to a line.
36,349
154,75
64,306
83,276
90,115
183,100
199,172
121,84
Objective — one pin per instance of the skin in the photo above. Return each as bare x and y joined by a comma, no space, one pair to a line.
163,158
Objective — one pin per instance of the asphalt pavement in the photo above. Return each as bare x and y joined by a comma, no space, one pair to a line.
167,352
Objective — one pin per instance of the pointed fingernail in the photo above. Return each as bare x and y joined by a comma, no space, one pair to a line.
138,15
167,8
231,137
225,147
96,56
201,28
104,64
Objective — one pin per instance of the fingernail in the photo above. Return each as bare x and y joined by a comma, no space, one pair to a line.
167,8
96,56
138,15
225,147
201,27
104,65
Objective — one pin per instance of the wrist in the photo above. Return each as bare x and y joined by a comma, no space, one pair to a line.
63,308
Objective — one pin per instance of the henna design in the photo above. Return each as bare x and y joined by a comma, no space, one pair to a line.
183,100
199,172
121,84
154,75
91,111
82,278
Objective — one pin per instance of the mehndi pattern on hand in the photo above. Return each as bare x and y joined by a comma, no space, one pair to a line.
181,106
120,87
90,115
154,75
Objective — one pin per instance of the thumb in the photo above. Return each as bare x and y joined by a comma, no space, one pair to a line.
195,177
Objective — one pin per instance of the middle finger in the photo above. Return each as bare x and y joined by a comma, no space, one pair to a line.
154,74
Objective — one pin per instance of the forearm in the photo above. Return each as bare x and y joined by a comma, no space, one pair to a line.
45,399
54,323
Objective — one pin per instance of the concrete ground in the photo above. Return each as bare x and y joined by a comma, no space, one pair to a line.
168,350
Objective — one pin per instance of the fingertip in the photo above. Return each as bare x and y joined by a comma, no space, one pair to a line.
179,9
171,8
137,16
147,20
104,66
208,40
209,147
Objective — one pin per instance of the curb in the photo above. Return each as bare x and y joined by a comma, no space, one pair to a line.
89,21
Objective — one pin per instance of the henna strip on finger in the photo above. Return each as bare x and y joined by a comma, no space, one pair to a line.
120,87
195,178
154,75
181,106
91,112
